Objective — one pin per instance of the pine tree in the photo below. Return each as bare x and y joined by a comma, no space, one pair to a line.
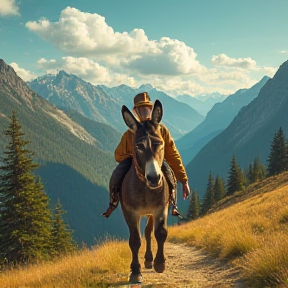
256,171
235,180
62,238
194,206
251,174
277,160
209,199
219,189
25,218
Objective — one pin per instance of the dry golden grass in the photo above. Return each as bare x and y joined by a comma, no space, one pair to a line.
253,233
96,268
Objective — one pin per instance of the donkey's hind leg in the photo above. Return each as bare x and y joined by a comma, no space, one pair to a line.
148,254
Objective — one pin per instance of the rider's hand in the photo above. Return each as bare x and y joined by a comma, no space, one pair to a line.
186,190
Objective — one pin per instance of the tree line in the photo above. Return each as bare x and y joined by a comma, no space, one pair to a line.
29,229
238,179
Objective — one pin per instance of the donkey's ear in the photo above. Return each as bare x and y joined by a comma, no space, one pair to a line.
129,119
157,112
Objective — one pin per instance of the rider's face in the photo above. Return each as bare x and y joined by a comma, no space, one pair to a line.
143,112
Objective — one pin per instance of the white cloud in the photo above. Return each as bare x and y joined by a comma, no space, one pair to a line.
270,71
172,57
22,73
224,60
86,69
100,55
88,35
177,86
283,52
8,7
212,80
82,67
94,73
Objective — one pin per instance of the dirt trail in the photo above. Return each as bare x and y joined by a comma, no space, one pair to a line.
188,267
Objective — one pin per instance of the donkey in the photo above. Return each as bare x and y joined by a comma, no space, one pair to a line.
145,191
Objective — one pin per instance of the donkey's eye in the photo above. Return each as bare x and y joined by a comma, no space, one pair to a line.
156,144
139,146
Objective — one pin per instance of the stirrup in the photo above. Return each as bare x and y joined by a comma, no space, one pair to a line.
175,212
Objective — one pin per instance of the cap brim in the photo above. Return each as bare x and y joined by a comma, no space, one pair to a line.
143,104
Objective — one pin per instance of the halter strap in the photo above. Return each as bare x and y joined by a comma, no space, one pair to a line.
138,169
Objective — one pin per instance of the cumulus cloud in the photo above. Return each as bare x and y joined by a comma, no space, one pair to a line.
88,35
100,55
22,73
82,67
177,86
224,60
208,82
84,33
270,71
87,70
8,7
172,57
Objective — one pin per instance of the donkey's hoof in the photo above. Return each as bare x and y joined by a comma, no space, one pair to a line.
148,264
159,267
135,278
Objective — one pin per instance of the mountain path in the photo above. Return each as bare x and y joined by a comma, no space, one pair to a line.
188,267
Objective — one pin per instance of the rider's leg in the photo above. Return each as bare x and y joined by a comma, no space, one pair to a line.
172,183
115,185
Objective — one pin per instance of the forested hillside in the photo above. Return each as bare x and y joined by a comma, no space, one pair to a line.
73,168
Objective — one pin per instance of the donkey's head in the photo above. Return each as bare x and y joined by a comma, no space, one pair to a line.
148,144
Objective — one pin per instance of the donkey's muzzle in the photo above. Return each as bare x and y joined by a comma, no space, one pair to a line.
153,174
154,181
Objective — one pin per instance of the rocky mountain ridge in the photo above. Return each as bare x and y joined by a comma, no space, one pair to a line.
103,104
248,136
217,119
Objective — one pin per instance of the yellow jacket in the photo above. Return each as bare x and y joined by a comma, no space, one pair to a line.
171,154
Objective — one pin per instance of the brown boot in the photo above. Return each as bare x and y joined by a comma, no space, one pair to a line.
110,209
174,208
114,200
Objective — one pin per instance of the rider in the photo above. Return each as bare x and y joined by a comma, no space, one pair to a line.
123,155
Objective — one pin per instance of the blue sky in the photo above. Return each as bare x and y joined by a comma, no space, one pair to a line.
180,47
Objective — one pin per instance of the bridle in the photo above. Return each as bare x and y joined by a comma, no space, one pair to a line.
139,171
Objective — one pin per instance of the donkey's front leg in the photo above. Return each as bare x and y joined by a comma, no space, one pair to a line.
134,243
148,254
161,236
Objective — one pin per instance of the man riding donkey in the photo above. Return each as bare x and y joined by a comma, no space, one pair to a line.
123,155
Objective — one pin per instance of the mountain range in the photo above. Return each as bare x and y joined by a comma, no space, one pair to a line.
180,118
248,136
103,104
217,119
202,103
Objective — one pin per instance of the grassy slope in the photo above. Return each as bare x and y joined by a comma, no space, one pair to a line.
249,230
